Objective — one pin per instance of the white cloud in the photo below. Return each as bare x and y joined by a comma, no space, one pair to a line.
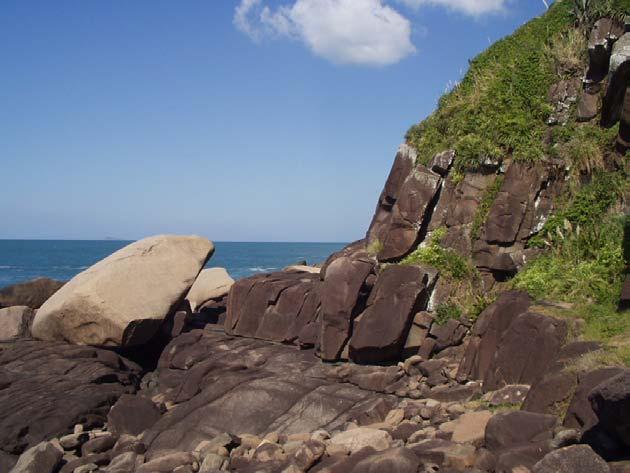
363,32
469,7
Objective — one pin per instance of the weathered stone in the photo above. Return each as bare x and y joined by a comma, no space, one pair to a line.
212,283
580,413
308,454
48,387
573,459
216,383
341,302
409,213
42,458
99,444
166,463
441,162
513,394
132,415
588,106
611,402
14,322
403,164
124,463
602,36
123,299
274,307
380,335
447,335
516,362
361,437
488,331
30,293
471,428
517,428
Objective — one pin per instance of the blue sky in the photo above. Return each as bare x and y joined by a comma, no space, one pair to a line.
249,120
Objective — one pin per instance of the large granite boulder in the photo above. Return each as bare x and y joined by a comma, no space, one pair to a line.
30,293
15,322
611,402
344,293
48,387
123,299
381,330
278,307
211,284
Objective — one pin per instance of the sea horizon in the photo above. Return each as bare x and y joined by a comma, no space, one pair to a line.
22,260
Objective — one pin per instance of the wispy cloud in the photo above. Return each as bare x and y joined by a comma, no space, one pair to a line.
364,32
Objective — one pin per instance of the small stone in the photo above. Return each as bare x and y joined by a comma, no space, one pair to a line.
72,441
395,417
336,450
299,437
42,458
87,468
211,463
471,427
271,437
250,441
320,435
78,428
432,403
309,454
448,427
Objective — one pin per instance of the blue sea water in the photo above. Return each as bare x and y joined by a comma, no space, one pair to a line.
21,260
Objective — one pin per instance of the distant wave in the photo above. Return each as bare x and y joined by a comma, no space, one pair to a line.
259,269
7,267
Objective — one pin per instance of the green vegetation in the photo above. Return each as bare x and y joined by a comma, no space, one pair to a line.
447,311
500,107
375,247
587,12
450,264
484,207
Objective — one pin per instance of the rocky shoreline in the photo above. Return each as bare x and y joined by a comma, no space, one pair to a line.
146,362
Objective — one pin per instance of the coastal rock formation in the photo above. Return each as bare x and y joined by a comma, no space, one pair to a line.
31,293
123,299
48,387
381,330
211,284
15,322
281,307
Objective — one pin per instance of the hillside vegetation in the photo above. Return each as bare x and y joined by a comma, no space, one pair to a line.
501,110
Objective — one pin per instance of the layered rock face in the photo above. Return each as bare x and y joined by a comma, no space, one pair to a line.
123,299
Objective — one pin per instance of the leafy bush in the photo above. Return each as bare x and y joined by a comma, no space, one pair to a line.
447,261
447,311
585,264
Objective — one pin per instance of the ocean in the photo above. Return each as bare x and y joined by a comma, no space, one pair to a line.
22,260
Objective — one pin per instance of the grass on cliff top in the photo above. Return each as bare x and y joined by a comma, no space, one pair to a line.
500,107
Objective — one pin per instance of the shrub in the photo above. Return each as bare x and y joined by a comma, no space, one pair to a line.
447,261
447,311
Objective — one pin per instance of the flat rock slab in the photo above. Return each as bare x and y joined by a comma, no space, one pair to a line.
48,387
216,383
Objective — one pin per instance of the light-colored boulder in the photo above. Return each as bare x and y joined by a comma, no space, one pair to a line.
471,427
356,439
42,458
123,299
211,283
14,322
620,52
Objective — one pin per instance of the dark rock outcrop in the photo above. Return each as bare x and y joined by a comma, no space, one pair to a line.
610,401
132,415
48,387
382,329
275,307
343,296
31,293
488,332
215,383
